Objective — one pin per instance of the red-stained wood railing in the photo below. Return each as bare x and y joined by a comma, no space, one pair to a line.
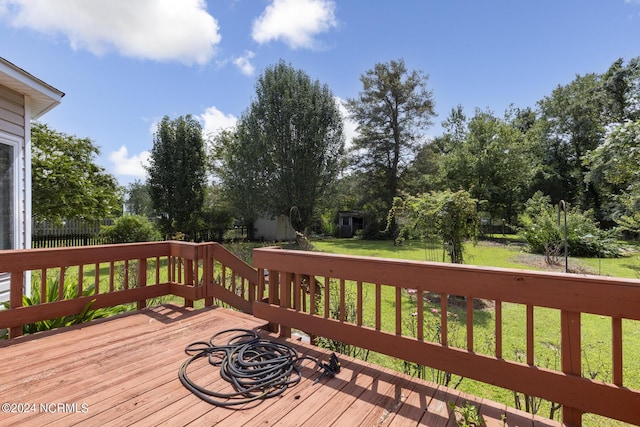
571,295
125,273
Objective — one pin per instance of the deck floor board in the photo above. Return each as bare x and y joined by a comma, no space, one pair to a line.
125,371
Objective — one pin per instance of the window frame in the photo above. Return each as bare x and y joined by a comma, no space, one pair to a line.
15,145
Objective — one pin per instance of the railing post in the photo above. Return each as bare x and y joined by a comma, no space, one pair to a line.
142,280
15,299
207,272
571,359
286,282
274,295
188,279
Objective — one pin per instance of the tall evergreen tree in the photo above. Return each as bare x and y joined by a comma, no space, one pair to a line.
177,174
393,110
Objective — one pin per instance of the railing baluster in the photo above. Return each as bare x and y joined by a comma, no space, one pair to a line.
530,337
420,314
378,304
342,301
443,320
43,285
498,314
223,282
359,303
111,276
234,282
327,283
312,294
296,291
157,270
80,277
616,349
96,279
469,323
61,284
398,310
126,274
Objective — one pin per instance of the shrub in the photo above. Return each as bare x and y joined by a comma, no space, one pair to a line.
129,229
544,235
70,291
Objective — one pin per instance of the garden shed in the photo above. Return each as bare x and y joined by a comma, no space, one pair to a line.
350,222
23,98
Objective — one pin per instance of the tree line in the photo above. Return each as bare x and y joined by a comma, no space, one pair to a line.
287,155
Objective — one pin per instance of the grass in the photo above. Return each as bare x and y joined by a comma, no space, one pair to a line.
596,330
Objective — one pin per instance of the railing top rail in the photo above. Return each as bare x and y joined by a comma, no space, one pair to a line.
572,292
33,259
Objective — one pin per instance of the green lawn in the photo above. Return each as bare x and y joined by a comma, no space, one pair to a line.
596,331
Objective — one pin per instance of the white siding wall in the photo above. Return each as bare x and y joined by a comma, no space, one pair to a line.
13,128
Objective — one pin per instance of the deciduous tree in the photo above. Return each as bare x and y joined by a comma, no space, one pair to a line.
287,148
138,200
66,181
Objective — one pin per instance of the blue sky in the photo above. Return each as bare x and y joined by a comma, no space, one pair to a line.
124,64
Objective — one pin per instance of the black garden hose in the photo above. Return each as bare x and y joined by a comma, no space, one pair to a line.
256,368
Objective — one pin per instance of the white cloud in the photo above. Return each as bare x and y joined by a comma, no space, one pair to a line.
295,22
244,63
350,127
215,121
129,165
161,30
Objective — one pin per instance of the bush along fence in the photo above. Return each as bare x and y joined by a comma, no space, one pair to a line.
78,232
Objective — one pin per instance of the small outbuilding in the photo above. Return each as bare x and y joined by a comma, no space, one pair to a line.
349,222
277,228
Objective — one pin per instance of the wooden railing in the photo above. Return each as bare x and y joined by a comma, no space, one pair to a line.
373,281
122,274
302,285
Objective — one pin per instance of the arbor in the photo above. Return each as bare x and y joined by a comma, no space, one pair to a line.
66,182
392,111
287,147
449,216
177,174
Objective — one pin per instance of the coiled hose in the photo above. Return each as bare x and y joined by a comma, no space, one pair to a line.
256,368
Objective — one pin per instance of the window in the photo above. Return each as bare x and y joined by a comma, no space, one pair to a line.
7,196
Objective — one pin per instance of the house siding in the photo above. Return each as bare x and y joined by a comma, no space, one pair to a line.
13,126
12,114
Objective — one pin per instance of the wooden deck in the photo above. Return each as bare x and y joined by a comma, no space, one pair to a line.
124,371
